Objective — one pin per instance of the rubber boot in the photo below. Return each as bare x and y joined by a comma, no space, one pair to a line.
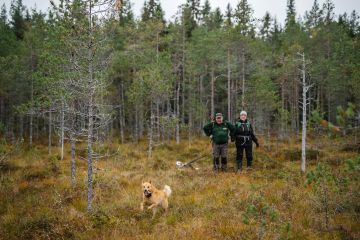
238,167
224,164
216,164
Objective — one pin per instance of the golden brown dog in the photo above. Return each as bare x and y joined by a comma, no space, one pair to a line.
155,197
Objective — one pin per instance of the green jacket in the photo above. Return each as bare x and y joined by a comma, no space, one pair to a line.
219,132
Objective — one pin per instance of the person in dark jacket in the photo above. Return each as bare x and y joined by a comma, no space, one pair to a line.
244,136
219,131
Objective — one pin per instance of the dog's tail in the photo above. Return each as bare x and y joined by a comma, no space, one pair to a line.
167,190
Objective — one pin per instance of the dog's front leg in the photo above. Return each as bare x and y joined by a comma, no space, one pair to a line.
152,206
154,212
142,204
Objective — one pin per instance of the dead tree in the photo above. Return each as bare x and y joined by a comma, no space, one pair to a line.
303,106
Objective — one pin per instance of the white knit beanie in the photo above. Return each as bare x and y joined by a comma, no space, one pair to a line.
243,113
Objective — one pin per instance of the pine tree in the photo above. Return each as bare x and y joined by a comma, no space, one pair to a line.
266,26
17,18
205,12
290,14
3,14
313,18
228,16
244,18
152,10
194,6
126,15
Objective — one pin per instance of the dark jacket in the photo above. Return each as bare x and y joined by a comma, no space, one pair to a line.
219,132
244,133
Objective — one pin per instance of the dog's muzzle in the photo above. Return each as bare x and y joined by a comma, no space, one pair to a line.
147,193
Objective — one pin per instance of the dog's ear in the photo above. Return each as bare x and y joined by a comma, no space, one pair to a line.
150,181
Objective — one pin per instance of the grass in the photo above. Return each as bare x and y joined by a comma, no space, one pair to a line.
273,201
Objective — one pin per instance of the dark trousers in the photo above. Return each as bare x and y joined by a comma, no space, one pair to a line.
240,152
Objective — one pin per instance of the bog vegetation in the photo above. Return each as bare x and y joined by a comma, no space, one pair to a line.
93,100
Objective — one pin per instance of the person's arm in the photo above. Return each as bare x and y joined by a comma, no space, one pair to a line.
231,129
253,137
208,129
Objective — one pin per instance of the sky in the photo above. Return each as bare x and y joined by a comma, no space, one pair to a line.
275,7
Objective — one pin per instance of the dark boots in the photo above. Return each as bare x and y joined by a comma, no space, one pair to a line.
216,164
223,164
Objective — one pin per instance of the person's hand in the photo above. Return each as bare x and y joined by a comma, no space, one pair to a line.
257,145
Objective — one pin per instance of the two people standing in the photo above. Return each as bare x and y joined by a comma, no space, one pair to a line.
241,132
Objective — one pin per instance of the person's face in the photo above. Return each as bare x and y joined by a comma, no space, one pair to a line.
243,117
219,120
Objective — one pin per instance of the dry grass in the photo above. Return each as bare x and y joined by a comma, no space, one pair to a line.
271,202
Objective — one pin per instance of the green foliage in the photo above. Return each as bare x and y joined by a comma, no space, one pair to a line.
344,116
259,213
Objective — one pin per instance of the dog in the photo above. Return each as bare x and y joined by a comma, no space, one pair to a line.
155,197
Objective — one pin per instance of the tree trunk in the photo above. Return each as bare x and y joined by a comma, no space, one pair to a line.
177,134
90,111
151,129
212,92
62,129
73,159
304,104
50,128
32,99
228,85
243,80
121,114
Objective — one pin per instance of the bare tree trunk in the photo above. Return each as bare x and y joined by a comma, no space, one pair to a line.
157,120
141,122
62,129
21,123
2,109
183,75
136,133
212,92
90,111
201,99
304,122
177,134
121,114
190,112
50,128
243,80
32,99
73,159
151,129
228,85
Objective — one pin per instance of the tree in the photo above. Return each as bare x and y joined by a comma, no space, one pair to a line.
244,19
17,18
290,14
313,18
228,16
152,10
304,103
265,30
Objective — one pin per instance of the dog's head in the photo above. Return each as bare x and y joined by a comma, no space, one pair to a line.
147,188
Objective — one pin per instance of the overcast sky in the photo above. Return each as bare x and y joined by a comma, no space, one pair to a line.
275,7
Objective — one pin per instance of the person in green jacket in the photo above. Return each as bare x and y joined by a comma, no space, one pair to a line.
219,131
